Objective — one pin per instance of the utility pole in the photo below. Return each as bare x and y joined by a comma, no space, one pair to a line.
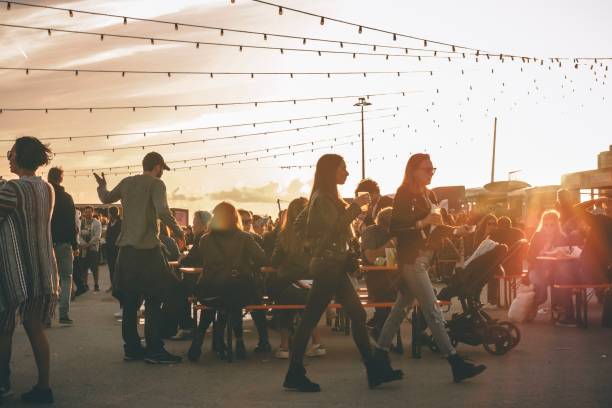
362,102
494,143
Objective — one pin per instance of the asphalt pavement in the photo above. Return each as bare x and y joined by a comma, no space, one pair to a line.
551,367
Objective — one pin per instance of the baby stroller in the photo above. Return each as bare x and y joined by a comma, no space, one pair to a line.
473,325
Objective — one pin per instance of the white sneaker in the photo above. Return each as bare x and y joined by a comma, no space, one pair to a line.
282,354
181,334
316,350
118,315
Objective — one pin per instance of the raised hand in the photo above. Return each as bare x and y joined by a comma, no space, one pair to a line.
100,179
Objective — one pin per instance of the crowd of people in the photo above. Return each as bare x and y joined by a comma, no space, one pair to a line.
308,256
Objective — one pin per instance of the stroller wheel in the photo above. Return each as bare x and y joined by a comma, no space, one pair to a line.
497,341
514,332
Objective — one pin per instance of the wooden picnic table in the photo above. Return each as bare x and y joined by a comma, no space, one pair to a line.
377,268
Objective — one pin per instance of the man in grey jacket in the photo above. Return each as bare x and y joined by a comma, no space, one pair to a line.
141,268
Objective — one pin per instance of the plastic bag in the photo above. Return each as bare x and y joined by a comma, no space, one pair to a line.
521,307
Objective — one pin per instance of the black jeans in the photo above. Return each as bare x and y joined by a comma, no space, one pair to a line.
91,261
129,325
325,285
111,254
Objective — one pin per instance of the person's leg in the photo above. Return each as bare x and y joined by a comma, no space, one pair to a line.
35,330
420,286
7,322
153,315
129,325
323,288
493,291
346,295
539,279
397,313
94,266
63,255
111,251
261,323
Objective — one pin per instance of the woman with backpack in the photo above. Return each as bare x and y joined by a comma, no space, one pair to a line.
286,278
326,223
228,258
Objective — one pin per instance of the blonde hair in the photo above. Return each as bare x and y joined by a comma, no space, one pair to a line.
225,217
547,215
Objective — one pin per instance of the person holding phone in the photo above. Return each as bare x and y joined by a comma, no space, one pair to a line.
413,221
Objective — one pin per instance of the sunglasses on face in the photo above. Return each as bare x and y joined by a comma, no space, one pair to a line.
431,170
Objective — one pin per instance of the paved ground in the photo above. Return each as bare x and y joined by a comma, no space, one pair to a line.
552,367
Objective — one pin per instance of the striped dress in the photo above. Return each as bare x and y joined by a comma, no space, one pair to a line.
29,278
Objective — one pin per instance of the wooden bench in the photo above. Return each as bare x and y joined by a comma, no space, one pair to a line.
582,299
510,283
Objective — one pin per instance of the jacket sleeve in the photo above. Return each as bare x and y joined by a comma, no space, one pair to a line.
194,257
403,216
255,252
278,255
72,221
160,202
8,200
324,214
108,197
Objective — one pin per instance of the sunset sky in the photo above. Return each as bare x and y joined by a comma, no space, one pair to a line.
550,121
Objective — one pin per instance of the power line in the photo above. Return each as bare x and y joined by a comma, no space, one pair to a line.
216,105
425,41
214,127
124,72
204,140
222,30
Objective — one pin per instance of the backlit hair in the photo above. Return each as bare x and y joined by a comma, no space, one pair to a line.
225,217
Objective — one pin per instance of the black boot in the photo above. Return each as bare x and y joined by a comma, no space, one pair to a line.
296,379
462,369
380,372
382,357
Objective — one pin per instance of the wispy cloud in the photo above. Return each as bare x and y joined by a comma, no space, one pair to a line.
264,194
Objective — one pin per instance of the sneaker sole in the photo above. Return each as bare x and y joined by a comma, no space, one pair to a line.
152,361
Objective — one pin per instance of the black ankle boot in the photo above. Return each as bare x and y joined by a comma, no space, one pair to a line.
296,380
379,371
462,369
240,349
382,357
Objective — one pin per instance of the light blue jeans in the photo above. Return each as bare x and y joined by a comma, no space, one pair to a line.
418,285
63,256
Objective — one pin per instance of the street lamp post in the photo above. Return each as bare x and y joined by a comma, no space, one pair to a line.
362,102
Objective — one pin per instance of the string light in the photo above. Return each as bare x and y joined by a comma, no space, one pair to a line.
360,27
203,140
208,43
